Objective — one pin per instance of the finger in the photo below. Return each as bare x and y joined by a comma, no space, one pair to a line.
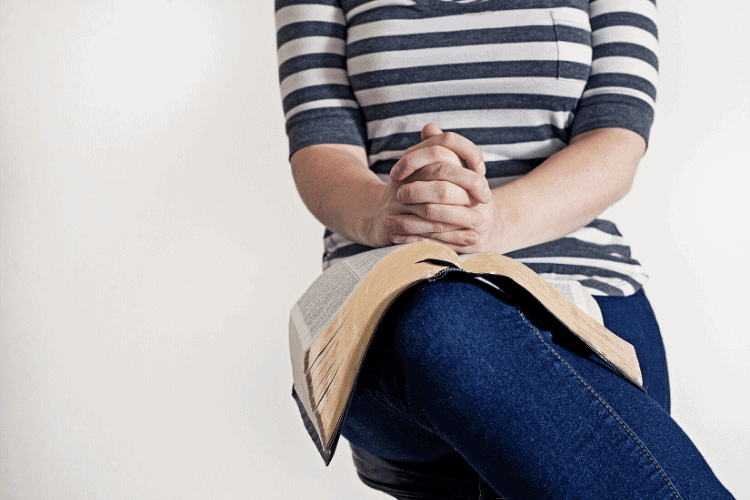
406,224
465,149
430,130
444,218
421,157
458,240
442,192
473,183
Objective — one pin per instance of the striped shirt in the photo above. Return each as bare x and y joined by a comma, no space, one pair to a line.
517,78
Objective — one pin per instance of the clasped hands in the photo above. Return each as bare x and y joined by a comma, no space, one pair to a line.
438,191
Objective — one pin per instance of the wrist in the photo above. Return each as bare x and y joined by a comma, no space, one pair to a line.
505,237
369,228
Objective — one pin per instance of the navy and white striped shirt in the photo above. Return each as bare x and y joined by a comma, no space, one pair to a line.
517,78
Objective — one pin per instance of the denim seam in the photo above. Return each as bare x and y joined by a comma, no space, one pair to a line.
617,417
385,400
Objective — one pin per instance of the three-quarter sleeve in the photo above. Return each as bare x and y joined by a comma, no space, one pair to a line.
319,104
621,89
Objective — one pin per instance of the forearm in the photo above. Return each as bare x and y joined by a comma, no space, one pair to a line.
567,191
339,189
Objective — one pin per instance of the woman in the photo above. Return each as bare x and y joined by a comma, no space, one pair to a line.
491,126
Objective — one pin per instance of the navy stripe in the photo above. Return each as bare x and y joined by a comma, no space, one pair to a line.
604,226
623,19
333,126
573,71
613,110
446,72
603,287
571,34
502,168
571,247
309,28
507,168
517,34
468,102
310,61
572,270
626,50
316,93
495,6
346,251
622,80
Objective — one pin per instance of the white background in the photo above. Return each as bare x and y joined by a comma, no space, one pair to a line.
152,244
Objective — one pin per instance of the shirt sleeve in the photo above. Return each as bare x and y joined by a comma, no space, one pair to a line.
621,89
319,104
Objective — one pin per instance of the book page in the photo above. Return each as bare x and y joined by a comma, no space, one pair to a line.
330,291
578,295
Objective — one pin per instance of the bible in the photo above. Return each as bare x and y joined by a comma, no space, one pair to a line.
332,324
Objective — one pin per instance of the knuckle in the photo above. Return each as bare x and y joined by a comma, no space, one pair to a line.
434,151
431,211
450,137
443,192
405,193
477,183
465,238
443,170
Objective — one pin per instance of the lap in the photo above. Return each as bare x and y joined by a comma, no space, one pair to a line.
474,321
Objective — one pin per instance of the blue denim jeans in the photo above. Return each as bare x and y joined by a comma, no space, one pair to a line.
458,366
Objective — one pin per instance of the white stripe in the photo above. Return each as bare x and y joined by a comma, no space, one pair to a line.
521,85
626,34
304,13
461,22
311,45
522,150
399,59
597,237
374,4
622,285
642,7
574,52
480,118
622,91
628,65
571,17
618,267
311,77
323,103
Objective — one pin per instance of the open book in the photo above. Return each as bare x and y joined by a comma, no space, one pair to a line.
332,324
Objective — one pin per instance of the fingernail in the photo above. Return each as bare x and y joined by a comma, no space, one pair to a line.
400,195
477,221
398,239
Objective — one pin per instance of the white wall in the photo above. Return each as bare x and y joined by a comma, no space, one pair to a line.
152,244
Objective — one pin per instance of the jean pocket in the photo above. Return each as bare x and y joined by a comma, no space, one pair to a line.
573,37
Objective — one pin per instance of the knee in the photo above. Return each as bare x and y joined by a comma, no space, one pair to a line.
446,319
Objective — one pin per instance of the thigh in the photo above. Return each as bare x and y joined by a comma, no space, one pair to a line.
380,420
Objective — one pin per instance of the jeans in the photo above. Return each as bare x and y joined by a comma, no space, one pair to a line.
457,366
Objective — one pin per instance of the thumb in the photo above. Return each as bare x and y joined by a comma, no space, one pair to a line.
430,130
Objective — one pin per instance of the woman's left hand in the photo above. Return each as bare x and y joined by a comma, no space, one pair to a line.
422,179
